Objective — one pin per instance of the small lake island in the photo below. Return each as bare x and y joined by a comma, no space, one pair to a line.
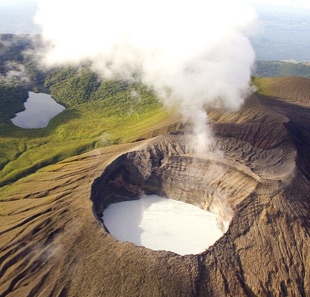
40,108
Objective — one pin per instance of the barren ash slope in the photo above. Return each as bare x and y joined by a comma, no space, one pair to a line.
53,245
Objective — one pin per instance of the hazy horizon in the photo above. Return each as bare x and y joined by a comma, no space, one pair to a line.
283,34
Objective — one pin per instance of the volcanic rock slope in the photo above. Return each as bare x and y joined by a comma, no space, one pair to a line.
53,241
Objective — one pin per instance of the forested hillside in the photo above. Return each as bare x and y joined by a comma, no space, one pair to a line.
73,86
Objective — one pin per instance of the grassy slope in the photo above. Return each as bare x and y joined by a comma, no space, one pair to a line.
262,84
76,130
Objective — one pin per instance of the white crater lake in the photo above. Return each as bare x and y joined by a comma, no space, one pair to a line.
39,110
162,224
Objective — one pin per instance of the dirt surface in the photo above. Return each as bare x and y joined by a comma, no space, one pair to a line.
292,88
53,241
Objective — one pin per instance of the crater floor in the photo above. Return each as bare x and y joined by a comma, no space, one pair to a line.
162,224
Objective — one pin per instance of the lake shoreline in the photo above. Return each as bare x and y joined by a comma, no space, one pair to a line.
40,108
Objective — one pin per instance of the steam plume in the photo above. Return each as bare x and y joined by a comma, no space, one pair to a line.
190,52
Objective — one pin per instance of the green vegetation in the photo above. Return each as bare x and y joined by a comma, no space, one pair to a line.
281,68
73,86
99,113
262,84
